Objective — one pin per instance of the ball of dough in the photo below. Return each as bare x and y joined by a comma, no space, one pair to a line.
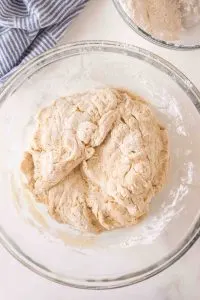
97,159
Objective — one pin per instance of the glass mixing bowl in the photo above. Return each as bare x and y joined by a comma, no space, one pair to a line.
120,257
189,38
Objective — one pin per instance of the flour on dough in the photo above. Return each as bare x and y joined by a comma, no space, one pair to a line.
96,159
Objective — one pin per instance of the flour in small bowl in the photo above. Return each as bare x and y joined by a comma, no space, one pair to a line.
163,19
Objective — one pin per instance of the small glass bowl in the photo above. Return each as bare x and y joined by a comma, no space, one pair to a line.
120,257
189,38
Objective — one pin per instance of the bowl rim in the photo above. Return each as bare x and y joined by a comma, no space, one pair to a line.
148,36
132,51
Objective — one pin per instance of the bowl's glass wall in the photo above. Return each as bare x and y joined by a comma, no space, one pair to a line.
57,250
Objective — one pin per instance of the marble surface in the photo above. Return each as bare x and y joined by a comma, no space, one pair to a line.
100,20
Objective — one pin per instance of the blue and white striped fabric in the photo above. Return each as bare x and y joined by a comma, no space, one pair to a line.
30,27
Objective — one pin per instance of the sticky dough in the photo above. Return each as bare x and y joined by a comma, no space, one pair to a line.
96,159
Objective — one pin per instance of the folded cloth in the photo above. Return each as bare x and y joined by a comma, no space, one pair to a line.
30,27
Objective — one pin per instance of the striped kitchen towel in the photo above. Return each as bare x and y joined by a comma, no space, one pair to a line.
30,27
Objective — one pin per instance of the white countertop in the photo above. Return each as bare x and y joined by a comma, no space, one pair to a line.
100,20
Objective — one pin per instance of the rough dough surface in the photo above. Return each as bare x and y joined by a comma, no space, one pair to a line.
96,159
